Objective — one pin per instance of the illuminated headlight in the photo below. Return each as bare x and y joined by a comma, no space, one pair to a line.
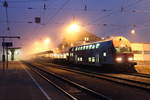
118,59
130,59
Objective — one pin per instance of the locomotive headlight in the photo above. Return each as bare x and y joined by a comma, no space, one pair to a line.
119,59
130,59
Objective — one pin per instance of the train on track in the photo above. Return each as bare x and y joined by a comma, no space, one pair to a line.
115,51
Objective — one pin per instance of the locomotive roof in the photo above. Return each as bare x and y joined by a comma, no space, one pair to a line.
117,41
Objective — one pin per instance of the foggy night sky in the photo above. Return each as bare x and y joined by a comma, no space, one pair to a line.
117,15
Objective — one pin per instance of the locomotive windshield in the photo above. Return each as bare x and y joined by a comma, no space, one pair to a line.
122,45
123,49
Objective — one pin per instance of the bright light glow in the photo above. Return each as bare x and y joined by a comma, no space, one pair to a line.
71,45
122,45
118,59
47,41
36,43
132,31
103,38
130,59
86,38
72,32
74,27
104,54
63,46
40,46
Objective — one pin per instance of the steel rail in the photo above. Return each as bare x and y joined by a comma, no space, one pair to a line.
128,82
139,74
87,90
66,93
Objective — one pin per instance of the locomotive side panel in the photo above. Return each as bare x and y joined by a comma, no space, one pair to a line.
116,51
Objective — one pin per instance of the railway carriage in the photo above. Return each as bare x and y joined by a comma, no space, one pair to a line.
114,51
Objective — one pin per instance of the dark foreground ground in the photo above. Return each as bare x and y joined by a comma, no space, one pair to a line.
20,83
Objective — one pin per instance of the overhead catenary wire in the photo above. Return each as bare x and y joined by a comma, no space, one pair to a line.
115,12
102,18
23,1
61,8
88,24
129,6
105,16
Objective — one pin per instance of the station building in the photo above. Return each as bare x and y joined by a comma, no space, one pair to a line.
141,51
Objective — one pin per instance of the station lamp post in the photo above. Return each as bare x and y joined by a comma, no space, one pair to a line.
74,27
72,34
133,31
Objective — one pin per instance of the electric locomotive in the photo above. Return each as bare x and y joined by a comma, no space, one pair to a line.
114,51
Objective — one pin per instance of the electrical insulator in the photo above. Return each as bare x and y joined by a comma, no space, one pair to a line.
44,6
85,8
5,4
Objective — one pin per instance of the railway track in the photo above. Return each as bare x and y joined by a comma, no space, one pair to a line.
140,75
73,90
120,80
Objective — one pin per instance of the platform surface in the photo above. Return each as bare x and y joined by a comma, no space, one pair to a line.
143,67
17,84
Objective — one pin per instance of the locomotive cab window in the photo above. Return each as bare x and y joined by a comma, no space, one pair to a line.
123,49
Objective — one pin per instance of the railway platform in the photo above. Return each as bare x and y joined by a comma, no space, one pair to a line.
143,67
20,83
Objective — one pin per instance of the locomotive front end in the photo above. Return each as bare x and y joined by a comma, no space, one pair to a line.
123,52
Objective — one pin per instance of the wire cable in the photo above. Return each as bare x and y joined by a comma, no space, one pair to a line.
61,8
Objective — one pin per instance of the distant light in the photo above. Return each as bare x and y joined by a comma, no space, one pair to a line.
17,52
71,45
103,38
63,46
86,38
36,43
132,31
84,42
74,27
47,41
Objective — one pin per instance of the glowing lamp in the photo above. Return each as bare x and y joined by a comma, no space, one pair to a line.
47,41
132,31
119,59
74,28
